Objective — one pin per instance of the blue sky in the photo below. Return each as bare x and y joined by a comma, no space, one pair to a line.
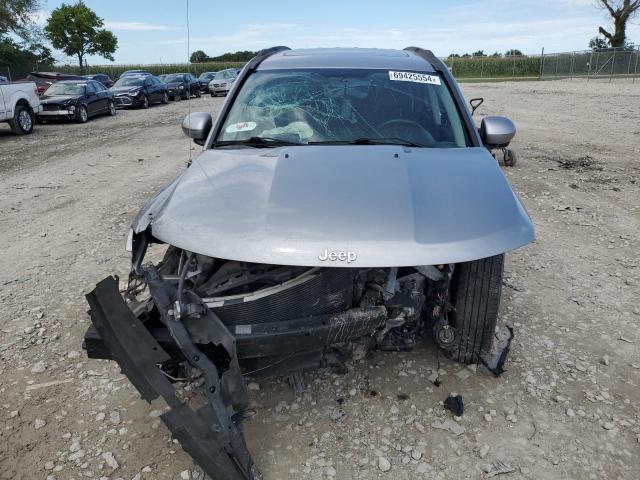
150,31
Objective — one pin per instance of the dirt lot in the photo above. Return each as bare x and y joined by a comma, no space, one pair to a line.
568,406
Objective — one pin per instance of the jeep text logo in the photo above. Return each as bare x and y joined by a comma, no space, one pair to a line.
332,256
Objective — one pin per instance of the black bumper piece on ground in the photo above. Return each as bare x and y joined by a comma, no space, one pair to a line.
212,438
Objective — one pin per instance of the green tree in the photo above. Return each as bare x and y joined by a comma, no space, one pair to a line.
621,11
23,57
514,52
598,43
15,17
77,31
479,53
199,57
240,56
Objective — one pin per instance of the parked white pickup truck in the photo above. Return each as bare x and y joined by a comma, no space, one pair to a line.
19,103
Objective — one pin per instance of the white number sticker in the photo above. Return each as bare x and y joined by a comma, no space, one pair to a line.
241,127
414,77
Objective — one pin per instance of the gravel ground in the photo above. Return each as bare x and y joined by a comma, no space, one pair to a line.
568,406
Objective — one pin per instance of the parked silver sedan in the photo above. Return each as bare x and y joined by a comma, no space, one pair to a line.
222,82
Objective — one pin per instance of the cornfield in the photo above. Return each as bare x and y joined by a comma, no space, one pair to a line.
613,63
494,67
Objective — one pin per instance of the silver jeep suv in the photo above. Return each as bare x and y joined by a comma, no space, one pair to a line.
344,201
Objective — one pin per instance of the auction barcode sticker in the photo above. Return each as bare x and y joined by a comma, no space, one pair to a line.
414,77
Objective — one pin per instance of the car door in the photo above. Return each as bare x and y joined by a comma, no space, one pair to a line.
150,89
158,87
103,96
91,99
194,84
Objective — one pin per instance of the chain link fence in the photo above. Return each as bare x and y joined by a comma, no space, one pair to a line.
609,63
494,67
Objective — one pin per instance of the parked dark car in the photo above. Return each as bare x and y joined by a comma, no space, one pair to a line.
76,100
163,77
204,79
182,86
103,78
139,91
135,72
44,79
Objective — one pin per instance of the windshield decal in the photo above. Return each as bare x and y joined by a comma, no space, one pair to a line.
241,127
414,77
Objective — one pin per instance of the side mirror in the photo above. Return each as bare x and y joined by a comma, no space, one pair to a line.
197,125
497,132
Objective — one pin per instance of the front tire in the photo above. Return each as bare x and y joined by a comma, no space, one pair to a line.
475,294
112,109
198,94
145,102
82,116
165,98
22,121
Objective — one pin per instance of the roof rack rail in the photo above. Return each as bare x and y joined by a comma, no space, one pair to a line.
262,55
428,55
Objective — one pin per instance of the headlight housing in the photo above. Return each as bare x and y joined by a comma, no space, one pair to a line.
181,87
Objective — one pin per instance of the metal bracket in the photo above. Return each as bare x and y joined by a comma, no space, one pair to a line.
213,438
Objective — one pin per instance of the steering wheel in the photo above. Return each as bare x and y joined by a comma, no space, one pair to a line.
403,122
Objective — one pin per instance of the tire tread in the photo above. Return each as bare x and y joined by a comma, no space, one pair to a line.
475,295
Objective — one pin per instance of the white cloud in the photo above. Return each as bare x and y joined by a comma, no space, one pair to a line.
555,34
137,26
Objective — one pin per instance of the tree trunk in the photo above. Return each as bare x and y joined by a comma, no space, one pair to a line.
620,16
81,63
619,36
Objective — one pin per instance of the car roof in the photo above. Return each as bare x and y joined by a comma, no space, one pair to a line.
80,80
375,58
53,74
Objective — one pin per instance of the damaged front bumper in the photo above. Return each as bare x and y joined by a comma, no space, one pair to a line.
211,435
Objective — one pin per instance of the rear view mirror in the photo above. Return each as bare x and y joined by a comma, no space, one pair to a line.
497,132
197,126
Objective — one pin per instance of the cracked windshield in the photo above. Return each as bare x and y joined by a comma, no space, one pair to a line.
339,106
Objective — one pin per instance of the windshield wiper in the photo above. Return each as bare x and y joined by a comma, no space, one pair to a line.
372,141
258,142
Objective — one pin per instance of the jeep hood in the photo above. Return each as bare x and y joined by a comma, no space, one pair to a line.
388,205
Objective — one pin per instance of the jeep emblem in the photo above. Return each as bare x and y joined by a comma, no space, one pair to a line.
342,256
